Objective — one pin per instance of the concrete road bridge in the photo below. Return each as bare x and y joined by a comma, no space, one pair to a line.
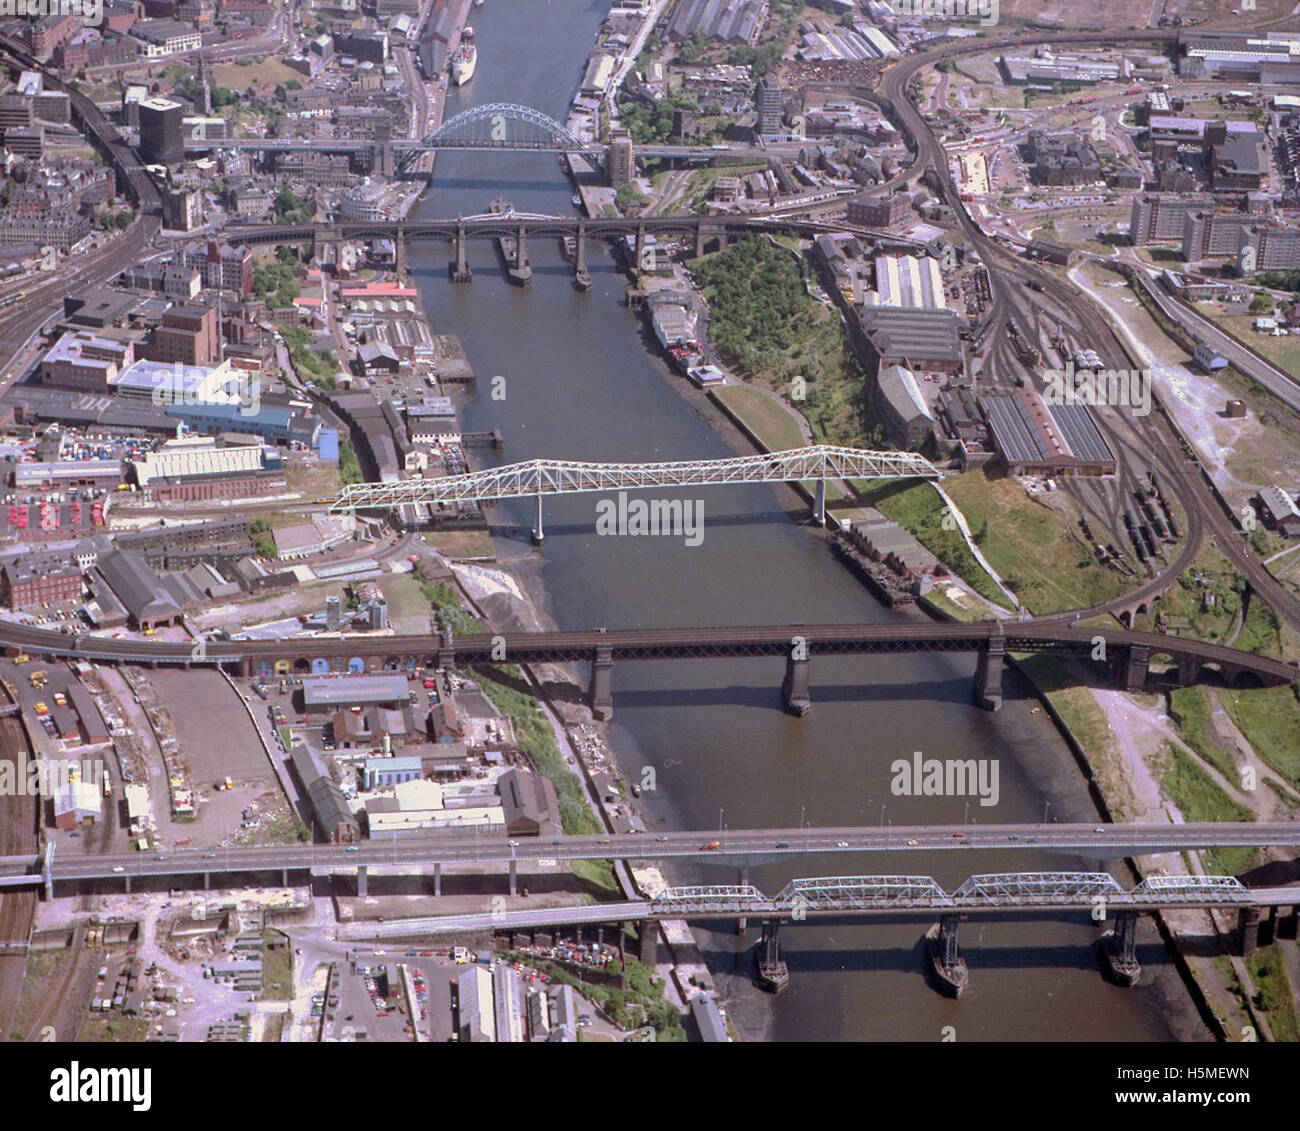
733,848
539,478
1125,656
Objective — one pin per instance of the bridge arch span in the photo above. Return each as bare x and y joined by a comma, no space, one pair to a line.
486,125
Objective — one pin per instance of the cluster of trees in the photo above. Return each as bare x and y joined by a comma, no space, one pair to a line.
291,208
756,299
275,283
648,124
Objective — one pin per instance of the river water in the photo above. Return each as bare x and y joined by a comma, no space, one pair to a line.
580,383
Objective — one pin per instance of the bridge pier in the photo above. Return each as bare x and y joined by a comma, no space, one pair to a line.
459,266
1119,950
819,504
639,265
945,956
521,249
648,942
580,251
207,881
773,973
601,694
1136,667
437,879
539,532
988,671
794,688
1188,667
699,240
284,877
362,877
514,877
446,653
399,253
47,871
742,924
1247,930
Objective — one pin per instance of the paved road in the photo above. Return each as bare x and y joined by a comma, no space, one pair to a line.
737,845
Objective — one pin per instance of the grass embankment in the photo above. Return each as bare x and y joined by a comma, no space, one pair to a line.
1269,717
349,465
1274,994
536,737
1034,546
920,511
771,424
770,331
1190,711
1199,798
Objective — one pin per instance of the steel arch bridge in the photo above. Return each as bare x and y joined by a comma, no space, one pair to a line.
502,125
561,477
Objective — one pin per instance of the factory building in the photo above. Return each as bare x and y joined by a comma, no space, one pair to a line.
1034,438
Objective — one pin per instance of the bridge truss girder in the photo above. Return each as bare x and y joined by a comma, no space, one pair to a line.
556,477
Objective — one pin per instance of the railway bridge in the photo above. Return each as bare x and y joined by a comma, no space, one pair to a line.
1133,660
520,226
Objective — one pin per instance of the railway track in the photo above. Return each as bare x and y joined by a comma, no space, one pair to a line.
19,817
1138,442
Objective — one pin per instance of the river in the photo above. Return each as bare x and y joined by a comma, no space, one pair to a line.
581,384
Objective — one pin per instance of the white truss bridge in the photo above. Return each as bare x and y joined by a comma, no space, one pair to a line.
540,477
1083,890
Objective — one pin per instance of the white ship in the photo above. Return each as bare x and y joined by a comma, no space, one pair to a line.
463,62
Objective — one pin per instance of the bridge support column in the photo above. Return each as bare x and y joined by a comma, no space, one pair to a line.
514,877
699,240
363,886
207,881
127,883
819,504
773,973
988,671
399,253
1119,949
1270,931
460,271
648,943
1135,670
539,532
945,956
446,654
1247,930
639,265
580,251
284,877
521,249
742,924
794,689
47,871
437,879
601,695
1188,668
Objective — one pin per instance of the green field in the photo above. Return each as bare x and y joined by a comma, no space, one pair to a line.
1036,549
919,510
1189,707
767,419
1269,717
